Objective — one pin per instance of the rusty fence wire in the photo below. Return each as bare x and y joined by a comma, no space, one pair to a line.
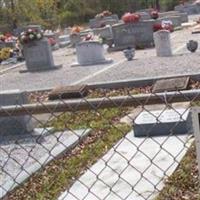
103,147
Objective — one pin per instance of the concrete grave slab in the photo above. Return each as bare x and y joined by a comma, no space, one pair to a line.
150,161
173,84
32,154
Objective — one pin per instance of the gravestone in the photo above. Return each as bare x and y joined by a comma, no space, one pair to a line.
67,31
34,27
75,38
99,22
90,53
139,34
105,32
67,92
38,56
174,121
176,20
144,16
14,125
188,8
172,84
162,43
183,16
63,40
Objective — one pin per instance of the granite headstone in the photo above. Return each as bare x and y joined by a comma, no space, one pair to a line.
139,34
38,56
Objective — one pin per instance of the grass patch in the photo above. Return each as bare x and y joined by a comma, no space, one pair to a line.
184,183
60,174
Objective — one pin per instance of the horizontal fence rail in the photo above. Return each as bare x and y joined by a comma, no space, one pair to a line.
97,103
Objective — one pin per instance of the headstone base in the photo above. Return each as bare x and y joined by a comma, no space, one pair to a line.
107,61
40,70
121,48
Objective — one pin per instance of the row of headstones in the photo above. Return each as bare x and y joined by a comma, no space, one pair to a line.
138,34
188,8
39,57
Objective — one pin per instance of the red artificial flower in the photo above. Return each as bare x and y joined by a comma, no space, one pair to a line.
130,17
154,14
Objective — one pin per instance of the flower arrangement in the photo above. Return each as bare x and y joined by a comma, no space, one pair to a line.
76,29
29,36
163,26
154,14
91,37
5,53
7,38
105,13
130,17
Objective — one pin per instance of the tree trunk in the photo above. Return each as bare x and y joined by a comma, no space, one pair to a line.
158,5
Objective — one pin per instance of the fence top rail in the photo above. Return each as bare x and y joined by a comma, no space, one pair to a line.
97,103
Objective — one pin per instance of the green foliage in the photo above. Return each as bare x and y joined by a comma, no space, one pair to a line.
68,12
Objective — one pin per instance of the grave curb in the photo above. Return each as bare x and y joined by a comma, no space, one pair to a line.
34,168
141,82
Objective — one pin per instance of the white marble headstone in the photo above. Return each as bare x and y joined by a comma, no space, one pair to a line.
162,43
90,53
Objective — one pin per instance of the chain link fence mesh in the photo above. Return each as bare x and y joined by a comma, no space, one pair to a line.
85,148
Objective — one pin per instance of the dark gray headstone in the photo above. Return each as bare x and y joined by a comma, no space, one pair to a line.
35,27
105,32
98,22
176,20
38,56
14,125
188,8
75,39
171,84
138,34
162,122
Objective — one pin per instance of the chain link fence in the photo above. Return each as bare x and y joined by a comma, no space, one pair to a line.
110,144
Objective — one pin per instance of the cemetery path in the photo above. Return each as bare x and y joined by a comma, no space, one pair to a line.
145,65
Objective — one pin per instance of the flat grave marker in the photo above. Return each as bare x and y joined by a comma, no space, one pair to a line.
172,84
65,92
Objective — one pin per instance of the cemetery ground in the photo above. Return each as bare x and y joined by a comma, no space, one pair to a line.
106,126
120,69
